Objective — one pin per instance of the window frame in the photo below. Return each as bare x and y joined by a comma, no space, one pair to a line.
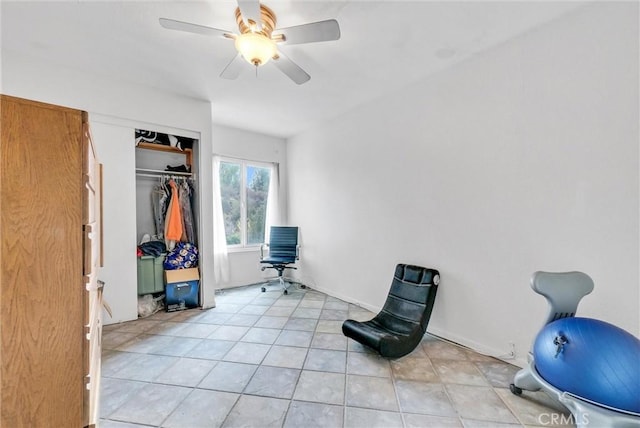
243,246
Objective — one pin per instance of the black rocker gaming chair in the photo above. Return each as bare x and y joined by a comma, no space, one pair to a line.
283,251
400,326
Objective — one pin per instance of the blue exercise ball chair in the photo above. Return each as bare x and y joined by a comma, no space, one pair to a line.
590,366
591,359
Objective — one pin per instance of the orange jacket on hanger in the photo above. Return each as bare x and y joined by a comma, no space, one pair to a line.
174,216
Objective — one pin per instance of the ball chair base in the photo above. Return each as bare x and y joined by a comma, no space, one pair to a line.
585,413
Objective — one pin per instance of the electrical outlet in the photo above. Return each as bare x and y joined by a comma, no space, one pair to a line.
512,350
511,354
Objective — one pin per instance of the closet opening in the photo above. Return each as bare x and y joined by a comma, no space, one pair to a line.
166,223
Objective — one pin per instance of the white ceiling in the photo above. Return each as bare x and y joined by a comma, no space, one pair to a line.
385,45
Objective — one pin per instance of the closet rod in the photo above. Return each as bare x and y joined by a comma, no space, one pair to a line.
177,177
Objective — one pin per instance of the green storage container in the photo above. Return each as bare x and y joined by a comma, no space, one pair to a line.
150,274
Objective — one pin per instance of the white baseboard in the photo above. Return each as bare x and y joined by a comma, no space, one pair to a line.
501,354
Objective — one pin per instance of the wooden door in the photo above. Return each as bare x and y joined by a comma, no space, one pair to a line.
42,298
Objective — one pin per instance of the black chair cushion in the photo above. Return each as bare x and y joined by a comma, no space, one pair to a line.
402,322
278,260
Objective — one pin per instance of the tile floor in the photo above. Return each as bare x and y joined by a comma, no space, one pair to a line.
273,360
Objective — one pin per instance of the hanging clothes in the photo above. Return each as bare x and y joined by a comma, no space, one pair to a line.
159,202
185,192
190,206
173,222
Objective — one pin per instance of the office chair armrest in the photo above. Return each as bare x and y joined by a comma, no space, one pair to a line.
262,248
297,252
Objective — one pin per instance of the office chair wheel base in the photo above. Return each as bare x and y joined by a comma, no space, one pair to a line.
515,390
263,289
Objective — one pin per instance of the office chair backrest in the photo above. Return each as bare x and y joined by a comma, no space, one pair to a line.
563,291
283,241
411,297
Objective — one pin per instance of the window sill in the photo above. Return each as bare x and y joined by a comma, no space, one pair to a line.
243,250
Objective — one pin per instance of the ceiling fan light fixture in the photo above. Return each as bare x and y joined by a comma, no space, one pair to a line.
256,41
256,48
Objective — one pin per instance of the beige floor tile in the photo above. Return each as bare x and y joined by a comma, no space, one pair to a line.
229,377
333,314
115,392
294,338
326,360
253,411
536,408
210,349
370,418
329,326
337,342
320,387
114,361
286,356
304,324
113,339
246,320
151,404
269,359
228,332
311,303
371,393
498,373
145,369
368,364
280,311
460,372
250,353
424,398
197,410
421,421
479,403
419,369
436,349
186,372
277,382
313,415
267,321
261,335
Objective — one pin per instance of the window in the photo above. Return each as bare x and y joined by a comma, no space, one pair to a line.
244,191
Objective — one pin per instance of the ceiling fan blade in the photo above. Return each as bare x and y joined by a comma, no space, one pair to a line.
250,10
188,27
291,69
233,69
320,31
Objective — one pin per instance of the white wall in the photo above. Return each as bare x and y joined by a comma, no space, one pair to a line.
113,144
523,158
113,105
244,266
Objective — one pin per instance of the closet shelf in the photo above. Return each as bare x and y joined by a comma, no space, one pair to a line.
162,148
157,173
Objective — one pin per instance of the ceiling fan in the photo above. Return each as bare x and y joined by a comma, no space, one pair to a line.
258,40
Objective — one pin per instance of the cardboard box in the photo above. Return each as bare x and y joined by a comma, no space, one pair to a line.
182,288
179,275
